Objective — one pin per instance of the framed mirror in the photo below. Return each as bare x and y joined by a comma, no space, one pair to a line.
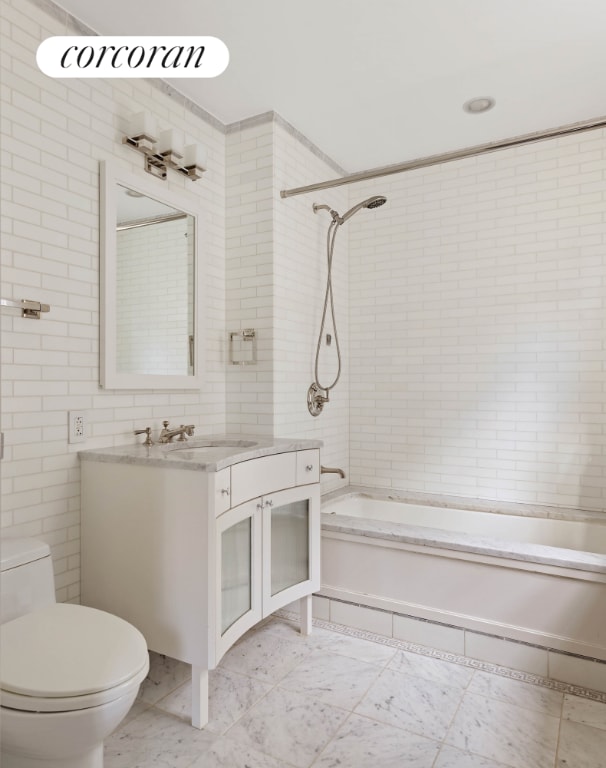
150,302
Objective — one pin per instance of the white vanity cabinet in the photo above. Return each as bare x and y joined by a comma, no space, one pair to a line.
196,558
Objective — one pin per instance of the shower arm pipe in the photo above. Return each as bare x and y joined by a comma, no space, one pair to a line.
448,157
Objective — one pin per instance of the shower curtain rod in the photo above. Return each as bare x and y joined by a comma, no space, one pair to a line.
447,157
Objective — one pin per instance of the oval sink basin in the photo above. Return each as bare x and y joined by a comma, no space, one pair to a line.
210,445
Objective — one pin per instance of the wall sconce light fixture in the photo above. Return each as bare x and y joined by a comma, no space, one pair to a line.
164,149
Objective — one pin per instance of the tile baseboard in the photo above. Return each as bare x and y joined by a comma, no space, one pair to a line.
534,664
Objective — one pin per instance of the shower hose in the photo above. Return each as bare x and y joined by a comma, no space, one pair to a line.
329,299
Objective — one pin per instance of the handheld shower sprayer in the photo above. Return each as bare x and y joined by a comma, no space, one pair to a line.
317,394
372,202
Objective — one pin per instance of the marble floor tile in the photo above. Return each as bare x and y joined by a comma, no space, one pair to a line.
165,674
418,705
137,708
361,743
517,692
230,695
289,726
520,738
438,671
450,757
354,647
585,711
225,753
156,740
265,656
346,645
280,699
333,679
581,746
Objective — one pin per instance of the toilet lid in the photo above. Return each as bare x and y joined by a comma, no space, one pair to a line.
67,650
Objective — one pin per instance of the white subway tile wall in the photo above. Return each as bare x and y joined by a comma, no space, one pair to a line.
276,275
248,270
478,304
300,268
470,308
54,133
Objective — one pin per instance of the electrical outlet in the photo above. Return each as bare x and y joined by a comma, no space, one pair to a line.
77,426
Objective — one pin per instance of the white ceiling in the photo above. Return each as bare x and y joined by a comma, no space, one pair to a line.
375,82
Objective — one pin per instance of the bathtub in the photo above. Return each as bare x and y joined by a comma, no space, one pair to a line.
528,574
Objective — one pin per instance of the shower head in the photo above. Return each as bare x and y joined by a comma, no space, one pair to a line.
375,202
372,202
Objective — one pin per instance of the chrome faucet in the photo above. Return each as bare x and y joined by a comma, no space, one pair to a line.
166,436
336,470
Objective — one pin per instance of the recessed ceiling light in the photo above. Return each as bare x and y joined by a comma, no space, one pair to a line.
478,105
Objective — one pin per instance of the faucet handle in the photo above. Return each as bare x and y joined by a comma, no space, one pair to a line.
165,424
147,431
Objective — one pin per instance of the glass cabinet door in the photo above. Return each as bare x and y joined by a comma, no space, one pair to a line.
289,534
238,582
236,573
291,546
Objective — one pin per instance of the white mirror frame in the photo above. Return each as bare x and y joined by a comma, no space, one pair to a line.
110,378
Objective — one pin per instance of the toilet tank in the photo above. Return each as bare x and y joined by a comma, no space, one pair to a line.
26,577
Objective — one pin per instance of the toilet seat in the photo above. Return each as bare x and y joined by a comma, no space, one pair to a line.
66,657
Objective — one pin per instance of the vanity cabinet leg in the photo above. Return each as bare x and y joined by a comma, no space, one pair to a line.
305,614
199,697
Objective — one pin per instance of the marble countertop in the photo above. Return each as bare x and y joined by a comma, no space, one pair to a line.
497,507
464,542
197,454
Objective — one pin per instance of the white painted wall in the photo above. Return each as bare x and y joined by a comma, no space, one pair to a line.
478,309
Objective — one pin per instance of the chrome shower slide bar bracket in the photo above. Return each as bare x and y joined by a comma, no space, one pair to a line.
28,308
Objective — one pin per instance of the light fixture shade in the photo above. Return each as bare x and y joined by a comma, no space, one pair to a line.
194,154
171,141
142,124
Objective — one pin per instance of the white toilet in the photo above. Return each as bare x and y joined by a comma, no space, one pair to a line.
69,674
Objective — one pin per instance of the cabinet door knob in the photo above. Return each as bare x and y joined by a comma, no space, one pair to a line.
309,467
269,503
259,506
225,491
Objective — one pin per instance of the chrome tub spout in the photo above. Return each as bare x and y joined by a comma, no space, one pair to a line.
335,470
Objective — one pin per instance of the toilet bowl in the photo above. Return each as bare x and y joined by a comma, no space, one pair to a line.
68,676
